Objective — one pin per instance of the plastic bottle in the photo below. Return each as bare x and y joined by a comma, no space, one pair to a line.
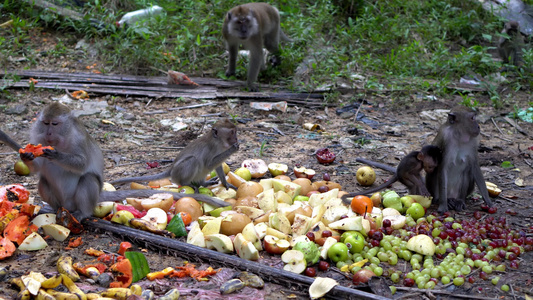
134,16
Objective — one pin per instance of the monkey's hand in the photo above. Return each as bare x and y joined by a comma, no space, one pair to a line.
27,156
50,154
235,146
456,204
230,186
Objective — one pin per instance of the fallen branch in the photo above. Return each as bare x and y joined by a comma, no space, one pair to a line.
441,292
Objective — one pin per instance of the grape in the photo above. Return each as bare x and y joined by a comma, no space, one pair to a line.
378,271
429,285
395,277
375,260
465,270
392,289
393,259
500,268
445,279
435,273
408,282
355,269
504,288
495,280
458,281
487,269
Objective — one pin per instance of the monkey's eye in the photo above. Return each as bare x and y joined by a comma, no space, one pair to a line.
55,123
46,123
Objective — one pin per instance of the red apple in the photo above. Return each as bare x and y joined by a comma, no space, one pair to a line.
274,245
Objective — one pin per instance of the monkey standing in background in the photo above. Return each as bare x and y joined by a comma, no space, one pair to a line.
71,175
254,25
459,171
407,172
510,46
200,157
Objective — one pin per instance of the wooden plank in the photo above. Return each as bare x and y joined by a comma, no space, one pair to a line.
191,252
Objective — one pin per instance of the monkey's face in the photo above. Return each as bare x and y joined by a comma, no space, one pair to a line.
51,131
242,23
430,164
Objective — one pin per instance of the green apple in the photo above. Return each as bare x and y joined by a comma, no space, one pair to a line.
244,173
416,211
205,191
21,168
310,251
338,252
407,201
392,199
216,212
186,189
301,198
277,169
348,233
355,243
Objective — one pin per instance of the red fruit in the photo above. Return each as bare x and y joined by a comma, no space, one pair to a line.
324,156
362,276
323,189
484,206
377,235
409,282
327,233
386,223
477,215
323,265
310,236
471,279
326,177
511,212
514,264
493,210
310,271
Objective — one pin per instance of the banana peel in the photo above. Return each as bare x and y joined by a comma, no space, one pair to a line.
64,266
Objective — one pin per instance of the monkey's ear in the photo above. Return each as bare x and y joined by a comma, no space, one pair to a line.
420,156
215,132
228,16
451,118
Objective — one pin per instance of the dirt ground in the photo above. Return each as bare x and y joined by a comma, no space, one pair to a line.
394,126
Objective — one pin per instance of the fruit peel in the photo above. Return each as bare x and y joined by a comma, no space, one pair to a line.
310,251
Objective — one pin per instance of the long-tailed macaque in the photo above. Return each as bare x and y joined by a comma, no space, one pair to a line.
407,172
510,46
71,175
455,176
253,25
200,157
6,139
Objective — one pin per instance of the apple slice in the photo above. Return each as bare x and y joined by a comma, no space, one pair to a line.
223,193
212,226
251,235
327,244
135,202
294,261
352,223
266,201
108,187
220,242
157,216
266,183
274,245
282,197
280,222
277,169
195,236
397,222
257,167
161,200
292,189
122,217
261,229
319,199
276,233
303,172
33,242
251,212
45,219
58,232
102,209
320,287
244,248
301,224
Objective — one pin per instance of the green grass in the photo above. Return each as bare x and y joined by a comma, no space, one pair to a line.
394,44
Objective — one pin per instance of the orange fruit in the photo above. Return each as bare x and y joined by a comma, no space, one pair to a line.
361,204
186,218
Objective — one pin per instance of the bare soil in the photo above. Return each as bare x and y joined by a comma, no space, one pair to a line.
395,124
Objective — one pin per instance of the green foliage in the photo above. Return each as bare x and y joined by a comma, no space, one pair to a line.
424,44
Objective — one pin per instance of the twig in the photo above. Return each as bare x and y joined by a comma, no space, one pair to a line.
149,102
8,153
516,126
357,112
401,288
192,106
155,112
509,199
495,125
512,291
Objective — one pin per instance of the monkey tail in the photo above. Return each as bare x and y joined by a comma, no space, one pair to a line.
9,141
123,194
376,164
284,37
142,178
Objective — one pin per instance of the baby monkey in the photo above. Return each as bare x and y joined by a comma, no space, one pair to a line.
254,25
200,157
407,172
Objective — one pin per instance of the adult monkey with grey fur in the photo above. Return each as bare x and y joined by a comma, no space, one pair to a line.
71,175
200,157
407,172
510,46
253,25
459,171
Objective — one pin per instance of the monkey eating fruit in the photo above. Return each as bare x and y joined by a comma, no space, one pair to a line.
254,25
407,172
71,174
